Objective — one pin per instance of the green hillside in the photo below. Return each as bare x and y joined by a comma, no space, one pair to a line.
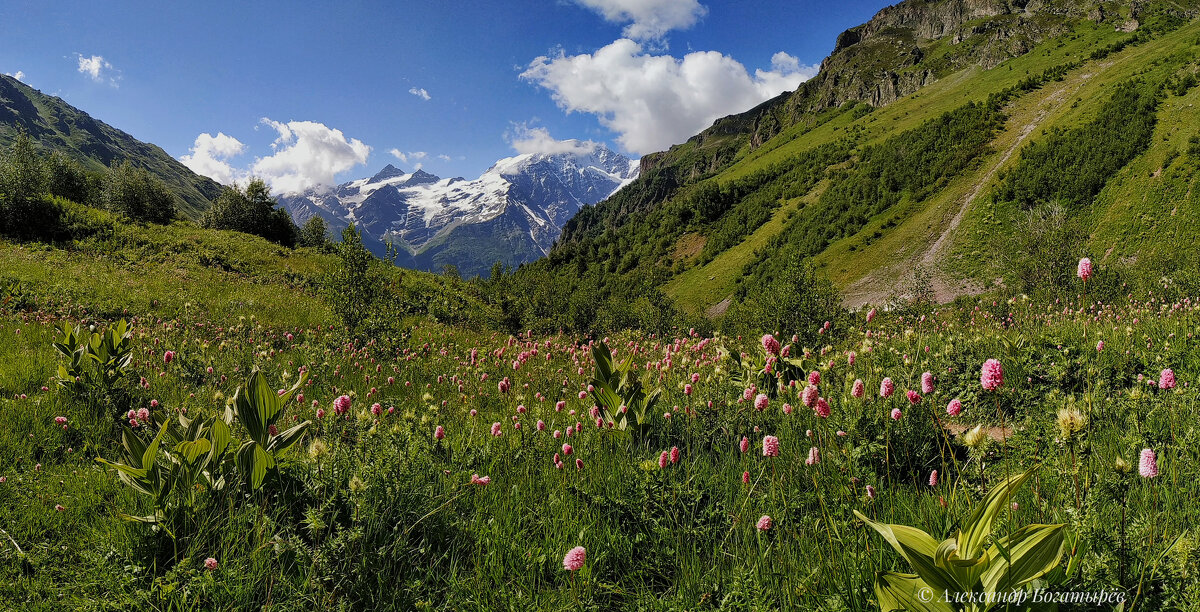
912,194
58,126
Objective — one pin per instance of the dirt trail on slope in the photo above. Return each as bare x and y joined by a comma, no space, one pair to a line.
877,286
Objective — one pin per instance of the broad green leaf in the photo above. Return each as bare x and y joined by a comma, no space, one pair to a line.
1033,550
248,415
220,437
287,438
193,449
918,548
152,450
907,592
254,462
603,358
977,528
264,399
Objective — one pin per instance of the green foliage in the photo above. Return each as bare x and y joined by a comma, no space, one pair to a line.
797,301
618,393
96,361
132,191
314,233
1072,166
966,564
252,210
258,407
353,286
23,180
68,180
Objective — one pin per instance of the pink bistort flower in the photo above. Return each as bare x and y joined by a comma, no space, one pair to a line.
770,446
991,376
764,523
575,558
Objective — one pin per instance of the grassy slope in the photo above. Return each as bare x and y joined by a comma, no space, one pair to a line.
873,262
93,143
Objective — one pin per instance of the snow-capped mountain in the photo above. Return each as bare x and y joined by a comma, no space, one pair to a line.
512,213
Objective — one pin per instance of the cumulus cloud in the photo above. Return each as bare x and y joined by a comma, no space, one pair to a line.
210,157
412,156
443,157
308,154
525,139
18,75
419,92
97,68
648,19
654,101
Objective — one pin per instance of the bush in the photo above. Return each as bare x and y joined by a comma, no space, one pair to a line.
252,211
137,194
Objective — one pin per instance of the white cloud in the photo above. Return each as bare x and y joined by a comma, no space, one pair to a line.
97,68
412,156
308,154
648,19
419,92
654,101
210,157
18,75
443,157
525,139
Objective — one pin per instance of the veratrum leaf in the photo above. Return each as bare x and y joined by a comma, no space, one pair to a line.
919,549
977,528
287,438
1033,551
907,592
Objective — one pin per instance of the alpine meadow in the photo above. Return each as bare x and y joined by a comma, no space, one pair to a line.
912,328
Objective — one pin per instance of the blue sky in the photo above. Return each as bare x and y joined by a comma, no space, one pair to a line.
307,93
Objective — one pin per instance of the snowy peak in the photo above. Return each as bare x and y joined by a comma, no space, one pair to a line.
512,213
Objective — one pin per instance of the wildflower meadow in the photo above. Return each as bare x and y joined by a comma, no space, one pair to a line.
194,463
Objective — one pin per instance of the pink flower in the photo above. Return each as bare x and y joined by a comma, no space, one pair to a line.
1085,269
168,356
439,433
376,409
674,454
887,388
914,398
859,389
760,402
578,464
927,383
272,430
1148,464
746,477
851,357
1099,346
744,445
992,375
954,407
210,564
541,425
476,479
559,405
1166,380
59,507
822,408
663,459
814,378
341,405
896,414
770,344
870,492
787,408
933,478
320,412
496,429
814,456
770,446
567,450
687,389
871,315
764,523
574,559
809,395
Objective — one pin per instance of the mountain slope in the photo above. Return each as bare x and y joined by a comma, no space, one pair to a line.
871,193
511,214
58,126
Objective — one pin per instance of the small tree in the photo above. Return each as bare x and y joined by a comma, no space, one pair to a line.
314,233
22,184
66,178
352,287
252,211
137,194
